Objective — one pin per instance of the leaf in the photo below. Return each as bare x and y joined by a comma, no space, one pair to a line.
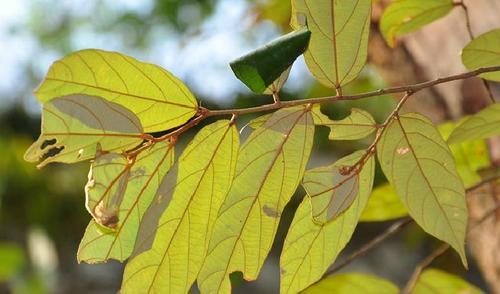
339,37
405,16
75,126
470,157
276,86
483,51
118,192
269,169
354,127
482,125
353,283
332,191
419,164
437,281
13,261
259,121
159,99
263,66
383,205
206,169
304,259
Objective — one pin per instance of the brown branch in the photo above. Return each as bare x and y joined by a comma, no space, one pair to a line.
328,99
392,230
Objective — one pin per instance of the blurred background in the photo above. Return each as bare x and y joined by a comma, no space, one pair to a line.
42,213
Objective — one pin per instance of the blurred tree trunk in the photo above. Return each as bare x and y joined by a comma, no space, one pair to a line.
432,52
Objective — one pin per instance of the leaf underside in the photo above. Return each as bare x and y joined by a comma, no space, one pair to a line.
153,94
437,281
75,127
483,51
405,16
420,166
358,125
118,193
353,283
304,259
206,168
482,125
339,37
269,168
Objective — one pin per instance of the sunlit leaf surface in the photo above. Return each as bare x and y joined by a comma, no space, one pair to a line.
338,47
118,193
206,169
470,156
159,99
269,169
484,51
352,283
437,281
420,166
384,204
266,68
310,248
75,127
405,16
357,125
483,124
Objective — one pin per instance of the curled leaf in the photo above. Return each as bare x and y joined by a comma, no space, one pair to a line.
118,193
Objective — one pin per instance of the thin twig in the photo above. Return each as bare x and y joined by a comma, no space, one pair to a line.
392,230
329,99
439,252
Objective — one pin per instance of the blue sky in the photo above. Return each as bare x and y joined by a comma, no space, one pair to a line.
200,59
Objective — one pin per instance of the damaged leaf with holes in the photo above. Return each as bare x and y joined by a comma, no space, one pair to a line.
118,193
76,127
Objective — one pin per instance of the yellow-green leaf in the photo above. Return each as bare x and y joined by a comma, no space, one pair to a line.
269,169
420,166
484,51
206,170
75,127
356,126
352,283
437,281
160,100
332,190
304,258
383,205
482,125
470,156
405,16
118,193
339,41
